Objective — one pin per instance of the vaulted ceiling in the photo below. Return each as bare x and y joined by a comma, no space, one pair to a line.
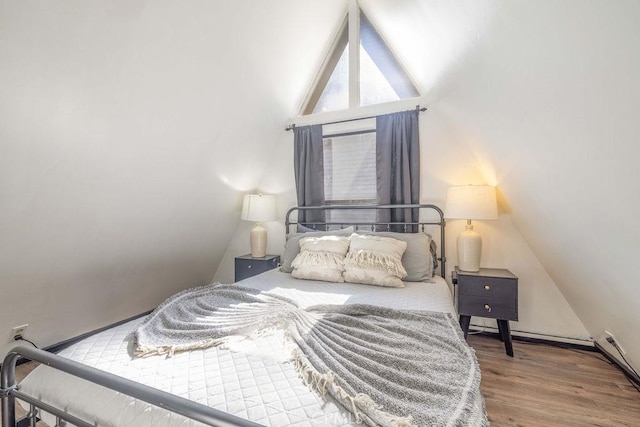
130,130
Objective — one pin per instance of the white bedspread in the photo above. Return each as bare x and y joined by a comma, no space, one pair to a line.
249,380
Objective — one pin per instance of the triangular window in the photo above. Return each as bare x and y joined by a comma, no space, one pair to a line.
335,94
370,75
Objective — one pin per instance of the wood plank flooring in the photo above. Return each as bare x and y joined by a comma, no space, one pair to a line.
544,386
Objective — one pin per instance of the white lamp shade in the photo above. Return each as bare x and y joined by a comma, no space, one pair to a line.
471,202
259,208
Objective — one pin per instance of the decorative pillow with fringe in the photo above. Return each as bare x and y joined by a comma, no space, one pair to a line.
375,260
418,259
321,258
292,246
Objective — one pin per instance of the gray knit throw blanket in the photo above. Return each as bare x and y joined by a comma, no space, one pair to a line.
388,367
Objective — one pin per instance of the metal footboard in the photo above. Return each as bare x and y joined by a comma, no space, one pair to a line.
9,391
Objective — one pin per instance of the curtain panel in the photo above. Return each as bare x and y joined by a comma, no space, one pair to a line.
309,172
398,167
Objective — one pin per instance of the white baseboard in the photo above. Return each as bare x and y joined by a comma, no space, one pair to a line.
526,334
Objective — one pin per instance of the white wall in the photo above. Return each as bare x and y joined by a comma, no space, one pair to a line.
545,96
128,133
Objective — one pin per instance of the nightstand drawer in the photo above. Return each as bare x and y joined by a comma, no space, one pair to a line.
493,288
480,306
247,266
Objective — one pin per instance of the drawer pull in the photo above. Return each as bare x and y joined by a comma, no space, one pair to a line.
249,266
487,307
487,287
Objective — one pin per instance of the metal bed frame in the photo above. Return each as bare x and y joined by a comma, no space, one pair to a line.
9,389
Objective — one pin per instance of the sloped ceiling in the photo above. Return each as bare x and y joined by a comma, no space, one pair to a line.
128,133
545,95
130,130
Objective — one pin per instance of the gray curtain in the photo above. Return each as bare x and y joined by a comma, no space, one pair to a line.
398,167
309,170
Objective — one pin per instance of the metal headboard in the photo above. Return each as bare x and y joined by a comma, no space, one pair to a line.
374,226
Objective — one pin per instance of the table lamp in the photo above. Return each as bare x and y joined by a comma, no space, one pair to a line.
470,202
258,208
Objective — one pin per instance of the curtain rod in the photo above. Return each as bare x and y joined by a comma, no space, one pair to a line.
293,125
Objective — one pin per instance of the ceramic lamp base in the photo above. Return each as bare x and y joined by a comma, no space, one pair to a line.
469,250
258,241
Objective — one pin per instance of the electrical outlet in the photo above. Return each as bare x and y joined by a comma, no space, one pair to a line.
613,341
609,337
18,331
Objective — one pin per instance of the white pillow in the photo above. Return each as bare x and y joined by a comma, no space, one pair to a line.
292,246
418,259
321,258
375,260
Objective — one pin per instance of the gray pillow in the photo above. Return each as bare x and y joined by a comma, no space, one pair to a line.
418,259
292,246
303,229
434,256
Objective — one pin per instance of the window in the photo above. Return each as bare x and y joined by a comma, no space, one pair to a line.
359,70
370,74
350,174
335,95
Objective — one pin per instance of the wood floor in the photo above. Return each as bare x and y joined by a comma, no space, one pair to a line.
545,386
549,386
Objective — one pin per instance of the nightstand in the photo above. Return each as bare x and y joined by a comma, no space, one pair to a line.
247,266
491,293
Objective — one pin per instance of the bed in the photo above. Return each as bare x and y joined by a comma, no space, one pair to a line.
255,381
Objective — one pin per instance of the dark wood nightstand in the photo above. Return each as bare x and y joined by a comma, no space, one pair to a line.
247,266
490,292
